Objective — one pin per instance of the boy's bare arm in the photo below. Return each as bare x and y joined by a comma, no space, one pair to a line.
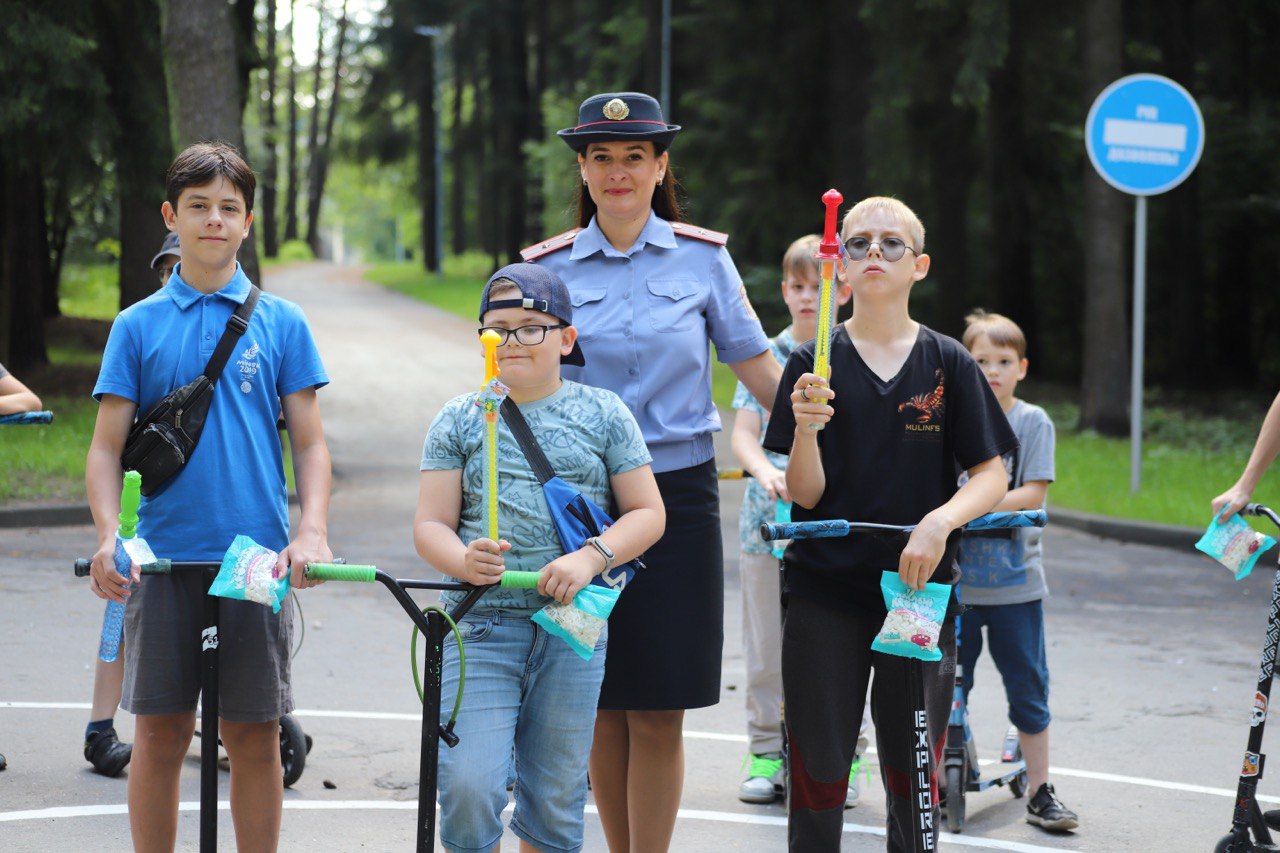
745,442
761,374
435,532
16,398
1264,453
806,479
1030,495
312,473
642,518
102,480
986,486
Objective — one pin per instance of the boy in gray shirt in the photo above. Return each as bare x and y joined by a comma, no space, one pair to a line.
1002,574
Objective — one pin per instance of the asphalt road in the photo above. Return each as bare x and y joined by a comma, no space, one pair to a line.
1154,655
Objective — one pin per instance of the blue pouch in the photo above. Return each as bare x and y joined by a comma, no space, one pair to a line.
248,573
914,622
579,624
1234,544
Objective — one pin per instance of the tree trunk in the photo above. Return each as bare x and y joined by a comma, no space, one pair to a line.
508,63
200,46
320,157
24,260
291,155
1105,380
457,154
313,135
134,67
271,169
427,152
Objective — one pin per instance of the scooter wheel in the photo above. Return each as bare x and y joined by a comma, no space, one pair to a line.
293,749
1236,842
1018,785
955,798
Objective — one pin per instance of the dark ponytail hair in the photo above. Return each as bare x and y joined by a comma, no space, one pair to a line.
666,202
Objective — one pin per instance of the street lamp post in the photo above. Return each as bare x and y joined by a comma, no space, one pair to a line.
437,35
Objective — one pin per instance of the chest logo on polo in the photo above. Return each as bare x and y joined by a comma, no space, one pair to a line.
247,363
927,408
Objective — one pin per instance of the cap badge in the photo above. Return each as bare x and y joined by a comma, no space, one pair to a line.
616,110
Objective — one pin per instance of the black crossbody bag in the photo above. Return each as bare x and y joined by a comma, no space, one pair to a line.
161,441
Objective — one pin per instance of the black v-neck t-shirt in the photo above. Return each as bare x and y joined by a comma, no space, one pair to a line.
891,454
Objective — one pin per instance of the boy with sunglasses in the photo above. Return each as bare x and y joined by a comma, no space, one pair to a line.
881,442
531,700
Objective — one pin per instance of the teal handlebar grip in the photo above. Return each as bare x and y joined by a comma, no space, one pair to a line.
520,580
159,567
341,572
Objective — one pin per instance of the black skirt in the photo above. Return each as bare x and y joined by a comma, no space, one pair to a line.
666,633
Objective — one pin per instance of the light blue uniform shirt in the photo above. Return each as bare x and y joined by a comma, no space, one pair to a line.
644,318
234,481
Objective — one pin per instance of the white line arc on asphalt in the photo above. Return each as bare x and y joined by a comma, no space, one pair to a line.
720,736
396,805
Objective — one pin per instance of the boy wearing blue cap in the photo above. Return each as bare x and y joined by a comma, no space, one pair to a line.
531,699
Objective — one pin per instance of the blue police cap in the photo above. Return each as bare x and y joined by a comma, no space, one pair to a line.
619,117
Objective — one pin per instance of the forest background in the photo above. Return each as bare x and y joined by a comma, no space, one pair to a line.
972,112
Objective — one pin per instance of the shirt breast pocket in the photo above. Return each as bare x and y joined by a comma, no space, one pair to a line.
674,303
586,309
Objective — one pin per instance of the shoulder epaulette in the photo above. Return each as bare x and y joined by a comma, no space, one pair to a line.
549,245
684,229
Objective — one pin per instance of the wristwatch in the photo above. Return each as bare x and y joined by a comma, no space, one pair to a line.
605,551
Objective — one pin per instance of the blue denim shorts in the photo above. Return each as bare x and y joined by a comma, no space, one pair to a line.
1015,638
528,699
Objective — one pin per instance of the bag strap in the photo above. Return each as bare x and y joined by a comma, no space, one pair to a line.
524,437
237,325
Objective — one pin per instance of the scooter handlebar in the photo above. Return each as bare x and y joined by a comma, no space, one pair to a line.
520,580
159,567
341,572
832,528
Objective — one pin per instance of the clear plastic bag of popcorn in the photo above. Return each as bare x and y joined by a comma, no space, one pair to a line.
248,573
914,623
1234,544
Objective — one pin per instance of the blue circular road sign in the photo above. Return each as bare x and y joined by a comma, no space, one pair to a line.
1144,134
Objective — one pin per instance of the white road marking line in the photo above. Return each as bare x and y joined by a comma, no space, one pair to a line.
402,805
717,736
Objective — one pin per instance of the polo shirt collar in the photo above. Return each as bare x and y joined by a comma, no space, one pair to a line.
184,295
657,232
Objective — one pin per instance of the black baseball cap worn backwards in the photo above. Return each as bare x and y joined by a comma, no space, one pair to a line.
619,117
540,290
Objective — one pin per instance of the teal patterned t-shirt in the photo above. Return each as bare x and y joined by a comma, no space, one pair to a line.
756,507
587,434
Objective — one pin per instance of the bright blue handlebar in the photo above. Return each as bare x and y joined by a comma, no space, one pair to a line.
836,527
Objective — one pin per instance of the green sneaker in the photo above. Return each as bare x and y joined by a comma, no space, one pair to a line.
859,766
765,778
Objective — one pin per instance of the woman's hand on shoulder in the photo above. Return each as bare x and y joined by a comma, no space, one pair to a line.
809,403
483,565
564,576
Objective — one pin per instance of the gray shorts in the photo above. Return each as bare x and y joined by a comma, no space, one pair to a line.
162,644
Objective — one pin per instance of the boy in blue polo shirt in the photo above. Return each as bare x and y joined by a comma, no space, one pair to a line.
233,483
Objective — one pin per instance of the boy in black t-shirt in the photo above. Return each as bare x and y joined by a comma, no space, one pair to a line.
912,410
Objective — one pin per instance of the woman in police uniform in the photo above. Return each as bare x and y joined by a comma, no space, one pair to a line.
649,292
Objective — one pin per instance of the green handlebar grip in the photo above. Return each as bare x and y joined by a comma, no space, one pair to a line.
520,580
130,500
159,567
341,572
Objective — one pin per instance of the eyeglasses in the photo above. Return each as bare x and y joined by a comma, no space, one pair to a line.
529,336
891,248
164,273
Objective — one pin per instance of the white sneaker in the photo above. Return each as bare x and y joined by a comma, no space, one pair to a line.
765,778
851,796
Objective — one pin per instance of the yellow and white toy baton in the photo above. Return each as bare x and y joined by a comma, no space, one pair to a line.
492,393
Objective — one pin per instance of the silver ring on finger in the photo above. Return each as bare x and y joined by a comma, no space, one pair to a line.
804,394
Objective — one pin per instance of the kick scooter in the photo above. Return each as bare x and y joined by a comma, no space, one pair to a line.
432,622
1250,827
924,837
293,742
960,757
23,418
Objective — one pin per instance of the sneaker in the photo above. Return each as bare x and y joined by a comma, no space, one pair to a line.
106,753
859,766
1047,811
765,777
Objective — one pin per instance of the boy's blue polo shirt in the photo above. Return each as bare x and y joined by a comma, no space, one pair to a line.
234,481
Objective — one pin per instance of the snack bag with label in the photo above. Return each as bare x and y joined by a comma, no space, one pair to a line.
914,622
1234,544
249,573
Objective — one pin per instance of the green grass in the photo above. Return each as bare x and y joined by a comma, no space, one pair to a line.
457,292
46,463
90,290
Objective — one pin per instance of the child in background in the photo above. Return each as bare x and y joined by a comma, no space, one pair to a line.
16,398
530,699
910,406
1002,572
758,565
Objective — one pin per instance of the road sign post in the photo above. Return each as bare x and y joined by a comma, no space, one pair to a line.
1144,136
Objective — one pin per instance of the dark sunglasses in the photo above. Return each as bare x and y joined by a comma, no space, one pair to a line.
891,248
